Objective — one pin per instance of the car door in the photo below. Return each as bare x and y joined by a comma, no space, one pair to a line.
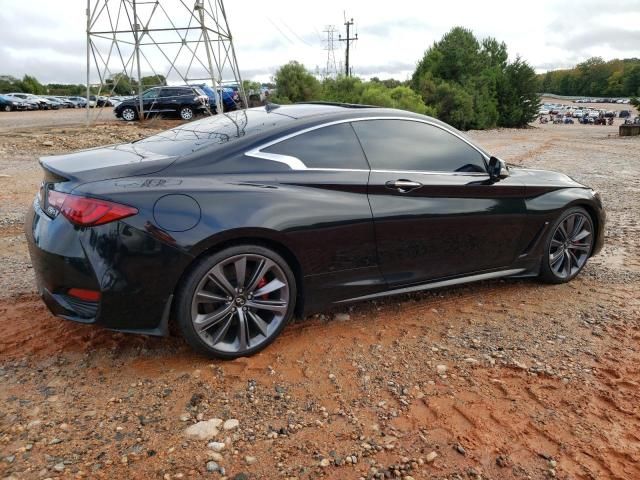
327,184
169,99
151,101
436,212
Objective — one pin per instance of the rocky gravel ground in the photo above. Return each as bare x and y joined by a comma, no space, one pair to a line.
498,380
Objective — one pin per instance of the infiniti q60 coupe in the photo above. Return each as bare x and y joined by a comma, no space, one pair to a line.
231,225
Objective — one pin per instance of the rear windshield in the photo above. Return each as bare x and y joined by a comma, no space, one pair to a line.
216,130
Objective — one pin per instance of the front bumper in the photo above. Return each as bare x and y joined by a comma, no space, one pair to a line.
134,272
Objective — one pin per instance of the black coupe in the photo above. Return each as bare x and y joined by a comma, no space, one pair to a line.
230,225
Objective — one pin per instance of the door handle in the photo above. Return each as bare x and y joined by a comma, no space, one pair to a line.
402,185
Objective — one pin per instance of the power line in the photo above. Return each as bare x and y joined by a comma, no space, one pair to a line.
349,40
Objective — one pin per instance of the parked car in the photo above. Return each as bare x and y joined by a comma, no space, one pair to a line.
56,103
232,224
8,104
78,102
230,98
32,101
624,113
186,101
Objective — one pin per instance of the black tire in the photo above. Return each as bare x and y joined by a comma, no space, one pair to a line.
186,113
210,341
571,263
129,114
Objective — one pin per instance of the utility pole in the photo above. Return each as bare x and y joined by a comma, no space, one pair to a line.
349,40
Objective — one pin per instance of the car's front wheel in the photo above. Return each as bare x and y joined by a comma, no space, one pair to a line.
7,108
235,302
568,246
186,113
129,114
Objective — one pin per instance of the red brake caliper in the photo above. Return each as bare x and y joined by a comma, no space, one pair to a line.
262,283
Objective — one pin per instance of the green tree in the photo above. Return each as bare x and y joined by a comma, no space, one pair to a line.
469,83
518,101
295,84
31,84
121,84
153,81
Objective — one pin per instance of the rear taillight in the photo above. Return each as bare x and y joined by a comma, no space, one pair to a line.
84,294
84,211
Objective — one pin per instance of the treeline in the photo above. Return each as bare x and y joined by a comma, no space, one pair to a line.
463,81
119,84
595,78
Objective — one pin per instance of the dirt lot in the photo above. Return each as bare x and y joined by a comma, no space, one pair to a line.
501,380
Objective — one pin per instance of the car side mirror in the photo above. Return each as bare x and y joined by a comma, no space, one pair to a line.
498,169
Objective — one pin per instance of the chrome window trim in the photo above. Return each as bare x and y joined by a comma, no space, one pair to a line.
297,164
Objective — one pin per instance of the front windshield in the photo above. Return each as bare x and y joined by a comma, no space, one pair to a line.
215,130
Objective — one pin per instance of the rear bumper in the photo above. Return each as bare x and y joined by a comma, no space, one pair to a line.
134,272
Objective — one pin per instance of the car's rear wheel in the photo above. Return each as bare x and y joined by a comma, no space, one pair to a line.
129,114
7,108
186,113
568,246
235,302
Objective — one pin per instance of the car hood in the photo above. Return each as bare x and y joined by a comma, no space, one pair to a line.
103,163
543,178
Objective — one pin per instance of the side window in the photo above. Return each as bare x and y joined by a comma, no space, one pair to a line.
407,145
151,94
335,146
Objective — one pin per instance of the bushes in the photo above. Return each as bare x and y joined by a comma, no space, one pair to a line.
295,84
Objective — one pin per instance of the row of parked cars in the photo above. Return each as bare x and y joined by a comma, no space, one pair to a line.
625,101
581,112
185,101
28,101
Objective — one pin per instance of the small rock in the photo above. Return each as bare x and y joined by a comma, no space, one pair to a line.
184,417
502,461
215,456
216,446
250,460
47,143
212,466
231,424
10,459
520,365
431,457
325,462
33,424
441,369
55,441
460,449
59,467
203,430
342,317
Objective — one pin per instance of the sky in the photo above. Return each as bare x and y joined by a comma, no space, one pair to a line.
47,38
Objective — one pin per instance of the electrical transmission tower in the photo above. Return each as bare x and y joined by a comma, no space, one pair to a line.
331,70
137,44
349,40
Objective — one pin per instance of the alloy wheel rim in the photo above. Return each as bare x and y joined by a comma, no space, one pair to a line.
570,245
240,303
186,114
128,114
